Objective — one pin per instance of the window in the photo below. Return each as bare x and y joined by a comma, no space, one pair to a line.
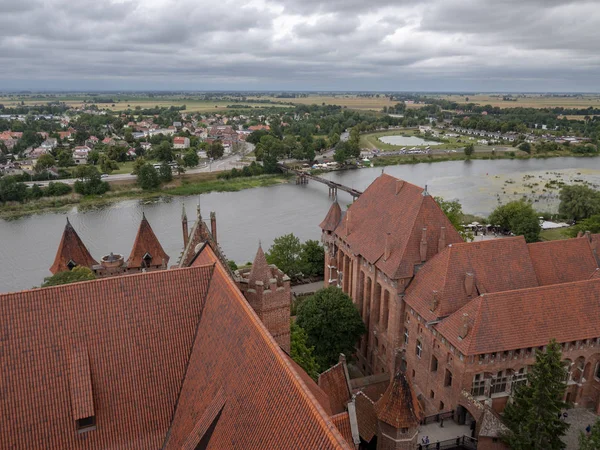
478,388
434,364
441,406
519,378
448,378
86,424
71,264
431,394
499,382
406,336
413,373
419,349
147,259
597,375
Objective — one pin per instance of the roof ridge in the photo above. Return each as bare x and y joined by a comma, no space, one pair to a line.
545,286
365,396
331,368
320,414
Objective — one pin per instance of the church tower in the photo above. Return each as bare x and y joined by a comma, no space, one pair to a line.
71,252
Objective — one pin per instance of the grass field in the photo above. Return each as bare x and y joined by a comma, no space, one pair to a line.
371,140
553,235
348,101
527,100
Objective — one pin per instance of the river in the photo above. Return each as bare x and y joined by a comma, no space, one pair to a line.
28,245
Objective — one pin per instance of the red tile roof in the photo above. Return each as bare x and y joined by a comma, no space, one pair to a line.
399,406
170,353
334,215
314,388
366,417
401,209
71,248
526,318
146,243
496,265
342,423
335,384
562,261
260,270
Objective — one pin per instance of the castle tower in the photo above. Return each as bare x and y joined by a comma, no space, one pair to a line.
268,291
213,225
328,226
71,252
147,253
184,227
398,414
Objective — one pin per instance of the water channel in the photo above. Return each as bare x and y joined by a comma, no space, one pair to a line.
28,245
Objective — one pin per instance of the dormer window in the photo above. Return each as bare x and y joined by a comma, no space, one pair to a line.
147,259
86,424
71,264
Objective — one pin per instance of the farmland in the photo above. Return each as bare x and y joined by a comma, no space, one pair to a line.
526,100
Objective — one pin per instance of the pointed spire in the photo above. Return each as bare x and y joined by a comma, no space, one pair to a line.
334,215
425,192
260,268
183,213
198,213
71,252
146,244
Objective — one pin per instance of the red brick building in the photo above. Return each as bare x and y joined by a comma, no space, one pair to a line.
468,315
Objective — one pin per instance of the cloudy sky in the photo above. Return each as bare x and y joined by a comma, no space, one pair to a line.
430,45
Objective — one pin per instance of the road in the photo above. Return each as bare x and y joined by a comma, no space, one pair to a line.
225,163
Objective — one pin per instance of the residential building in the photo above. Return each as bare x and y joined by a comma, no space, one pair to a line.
80,154
181,142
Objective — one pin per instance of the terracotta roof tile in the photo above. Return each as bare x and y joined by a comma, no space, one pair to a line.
526,318
334,383
146,243
314,388
398,406
342,423
260,269
401,209
496,265
71,248
366,417
334,215
562,261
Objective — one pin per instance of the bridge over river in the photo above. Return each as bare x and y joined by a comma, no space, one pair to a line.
302,177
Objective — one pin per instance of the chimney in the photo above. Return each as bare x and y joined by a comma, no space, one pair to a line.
435,301
424,245
580,234
388,247
348,222
213,225
442,240
588,235
464,329
399,185
184,226
469,283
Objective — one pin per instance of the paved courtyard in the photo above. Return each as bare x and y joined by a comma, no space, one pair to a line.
579,418
450,430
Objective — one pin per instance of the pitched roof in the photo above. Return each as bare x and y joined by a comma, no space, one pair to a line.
366,417
496,265
526,318
260,268
314,388
403,210
562,261
399,407
342,423
334,215
171,354
335,384
71,248
146,243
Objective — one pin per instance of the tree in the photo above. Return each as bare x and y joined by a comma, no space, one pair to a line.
454,213
519,217
215,150
147,177
469,150
107,165
44,162
137,165
587,442
332,324
525,146
90,182
164,152
312,259
301,352
285,254
77,274
533,417
190,158
165,173
93,157
578,202
591,224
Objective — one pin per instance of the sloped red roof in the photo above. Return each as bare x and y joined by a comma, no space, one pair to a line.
267,405
146,242
562,261
398,406
260,270
401,209
334,215
314,388
342,423
71,248
334,383
365,416
496,265
526,318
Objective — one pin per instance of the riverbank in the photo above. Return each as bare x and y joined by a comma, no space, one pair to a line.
191,184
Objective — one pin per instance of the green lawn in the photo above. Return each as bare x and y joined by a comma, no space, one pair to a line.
553,235
124,168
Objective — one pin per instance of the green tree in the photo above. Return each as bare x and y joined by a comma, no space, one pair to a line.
44,162
11,190
454,213
190,158
107,165
79,273
285,254
165,173
164,152
65,158
312,258
301,352
332,324
147,177
90,182
578,202
519,217
525,146
138,164
591,224
590,441
93,157
215,150
469,150
533,417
